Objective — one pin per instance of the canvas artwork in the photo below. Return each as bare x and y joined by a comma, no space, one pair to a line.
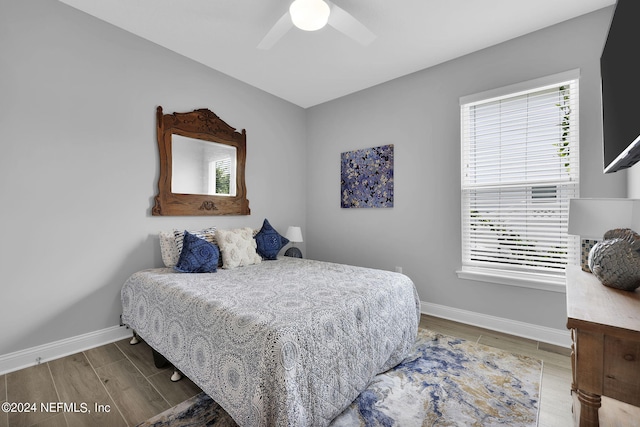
367,178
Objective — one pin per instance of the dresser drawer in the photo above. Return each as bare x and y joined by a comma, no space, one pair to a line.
622,370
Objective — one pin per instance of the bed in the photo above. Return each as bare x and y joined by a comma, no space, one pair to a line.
285,342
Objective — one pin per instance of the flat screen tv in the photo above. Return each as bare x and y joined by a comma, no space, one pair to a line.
621,88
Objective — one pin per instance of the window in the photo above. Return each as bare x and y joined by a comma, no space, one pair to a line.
220,176
519,170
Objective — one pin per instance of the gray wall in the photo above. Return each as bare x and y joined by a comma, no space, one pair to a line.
79,164
420,114
633,182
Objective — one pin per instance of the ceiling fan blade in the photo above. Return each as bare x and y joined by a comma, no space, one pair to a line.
344,22
276,32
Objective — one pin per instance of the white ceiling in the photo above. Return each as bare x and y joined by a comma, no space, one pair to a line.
309,68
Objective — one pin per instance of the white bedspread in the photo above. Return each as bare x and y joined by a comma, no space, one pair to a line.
290,342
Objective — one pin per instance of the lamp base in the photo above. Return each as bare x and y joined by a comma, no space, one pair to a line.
293,252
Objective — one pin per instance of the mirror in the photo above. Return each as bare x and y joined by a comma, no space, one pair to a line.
202,162
202,167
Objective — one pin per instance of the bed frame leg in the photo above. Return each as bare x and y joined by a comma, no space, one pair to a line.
160,361
134,339
177,376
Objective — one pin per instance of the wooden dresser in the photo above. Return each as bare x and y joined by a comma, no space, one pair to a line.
605,328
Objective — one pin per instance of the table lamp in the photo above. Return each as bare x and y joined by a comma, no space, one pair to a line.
294,235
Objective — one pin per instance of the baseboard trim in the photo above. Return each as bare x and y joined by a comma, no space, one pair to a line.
43,353
553,336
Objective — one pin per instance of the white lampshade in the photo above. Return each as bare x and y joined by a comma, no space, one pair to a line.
591,218
309,15
294,234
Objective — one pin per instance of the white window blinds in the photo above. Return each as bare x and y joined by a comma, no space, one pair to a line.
220,176
519,170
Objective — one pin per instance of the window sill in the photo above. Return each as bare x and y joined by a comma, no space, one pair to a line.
523,280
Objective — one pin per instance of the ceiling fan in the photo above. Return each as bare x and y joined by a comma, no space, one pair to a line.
311,15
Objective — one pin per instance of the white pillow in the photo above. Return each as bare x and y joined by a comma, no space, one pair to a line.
238,247
171,243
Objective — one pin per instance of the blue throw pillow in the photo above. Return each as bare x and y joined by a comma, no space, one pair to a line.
269,241
197,256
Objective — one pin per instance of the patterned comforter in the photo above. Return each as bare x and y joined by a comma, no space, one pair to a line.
290,342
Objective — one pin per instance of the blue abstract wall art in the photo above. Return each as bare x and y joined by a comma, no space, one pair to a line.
367,178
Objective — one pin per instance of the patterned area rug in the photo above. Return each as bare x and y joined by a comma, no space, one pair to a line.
445,381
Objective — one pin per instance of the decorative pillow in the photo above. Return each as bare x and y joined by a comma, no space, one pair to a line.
197,255
238,247
170,254
269,241
171,243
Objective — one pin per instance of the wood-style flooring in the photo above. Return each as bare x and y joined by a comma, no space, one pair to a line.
118,385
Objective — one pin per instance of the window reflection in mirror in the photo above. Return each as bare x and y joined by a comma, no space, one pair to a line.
202,167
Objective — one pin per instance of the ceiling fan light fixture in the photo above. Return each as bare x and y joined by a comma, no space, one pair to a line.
309,15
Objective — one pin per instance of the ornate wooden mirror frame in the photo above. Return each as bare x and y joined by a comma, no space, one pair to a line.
203,125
